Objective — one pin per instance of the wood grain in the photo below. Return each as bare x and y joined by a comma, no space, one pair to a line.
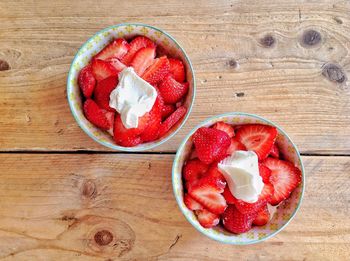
117,207
248,56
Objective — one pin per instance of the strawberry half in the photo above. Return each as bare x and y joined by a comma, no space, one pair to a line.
275,153
191,203
194,170
96,115
157,71
207,219
143,59
230,199
102,69
86,81
116,49
220,125
211,144
136,44
177,69
207,191
264,172
174,118
171,90
257,137
263,217
237,222
235,145
103,91
155,118
285,177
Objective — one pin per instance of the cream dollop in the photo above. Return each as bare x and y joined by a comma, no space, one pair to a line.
133,97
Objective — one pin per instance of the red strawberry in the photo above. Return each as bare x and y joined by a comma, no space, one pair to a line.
117,49
167,110
285,177
257,137
177,69
191,203
228,196
207,219
275,153
235,145
194,170
118,65
96,115
155,118
136,44
157,71
220,125
171,90
265,173
207,191
86,81
102,69
143,59
214,172
103,90
129,141
110,118
211,144
174,118
263,217
237,222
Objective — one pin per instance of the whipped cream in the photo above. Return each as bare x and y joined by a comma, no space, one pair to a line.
133,97
241,171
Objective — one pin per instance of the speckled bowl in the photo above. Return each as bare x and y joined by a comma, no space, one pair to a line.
285,211
97,43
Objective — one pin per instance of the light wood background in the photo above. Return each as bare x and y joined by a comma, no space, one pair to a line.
64,197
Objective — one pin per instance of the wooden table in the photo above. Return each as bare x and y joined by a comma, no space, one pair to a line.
65,197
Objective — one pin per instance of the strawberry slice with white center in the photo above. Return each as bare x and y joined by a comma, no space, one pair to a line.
220,125
102,69
118,65
116,49
207,219
285,177
143,59
191,203
157,71
258,138
135,45
235,145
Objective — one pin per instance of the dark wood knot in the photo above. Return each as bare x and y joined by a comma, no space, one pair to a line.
233,63
103,237
4,65
88,189
311,37
267,41
334,73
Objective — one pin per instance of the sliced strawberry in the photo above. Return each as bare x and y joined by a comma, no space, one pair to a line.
118,65
211,144
177,69
143,59
237,222
275,153
264,172
86,81
171,90
110,118
235,145
207,219
116,49
179,103
171,121
136,44
155,118
214,172
96,115
225,127
194,170
191,203
102,69
103,90
228,196
207,191
263,217
157,71
129,141
257,137
285,177
167,110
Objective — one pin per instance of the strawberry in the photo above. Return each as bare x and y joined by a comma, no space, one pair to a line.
177,69
102,69
235,221
220,125
136,44
207,219
116,49
96,115
157,71
263,217
207,191
171,90
110,118
265,173
235,145
167,110
118,65
155,118
129,141
191,203
194,170
214,172
211,144
86,81
285,177
257,137
174,118
143,59
103,90
275,153
228,196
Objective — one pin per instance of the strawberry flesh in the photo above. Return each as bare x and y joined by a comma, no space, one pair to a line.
263,217
207,219
96,115
225,127
143,59
171,121
275,153
234,146
191,203
194,170
171,90
151,133
135,45
117,49
103,91
237,222
177,69
86,81
157,71
264,172
102,69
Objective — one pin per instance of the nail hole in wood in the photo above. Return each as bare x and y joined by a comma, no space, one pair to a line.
311,37
334,73
267,41
233,63
4,66
338,20
103,237
240,94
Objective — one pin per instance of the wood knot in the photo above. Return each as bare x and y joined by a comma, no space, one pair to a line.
233,63
267,41
103,237
4,66
88,189
334,73
311,38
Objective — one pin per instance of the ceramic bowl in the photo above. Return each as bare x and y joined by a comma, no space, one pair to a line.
284,212
97,43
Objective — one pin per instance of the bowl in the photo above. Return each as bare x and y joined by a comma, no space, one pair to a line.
97,43
284,212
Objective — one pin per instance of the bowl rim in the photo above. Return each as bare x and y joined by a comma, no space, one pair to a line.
203,123
136,148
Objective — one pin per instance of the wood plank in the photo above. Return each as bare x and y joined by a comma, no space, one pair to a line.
235,70
53,207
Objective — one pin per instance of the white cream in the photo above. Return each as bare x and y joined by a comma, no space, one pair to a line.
241,171
132,97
